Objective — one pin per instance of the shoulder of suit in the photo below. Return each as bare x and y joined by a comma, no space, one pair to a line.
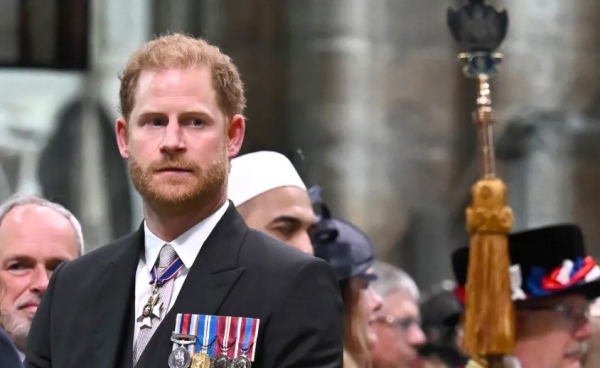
106,253
274,252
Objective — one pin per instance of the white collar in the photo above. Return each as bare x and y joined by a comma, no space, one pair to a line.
187,245
512,362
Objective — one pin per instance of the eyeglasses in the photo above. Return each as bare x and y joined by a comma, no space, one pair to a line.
574,313
402,324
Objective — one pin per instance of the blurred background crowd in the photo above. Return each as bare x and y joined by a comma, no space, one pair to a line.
364,96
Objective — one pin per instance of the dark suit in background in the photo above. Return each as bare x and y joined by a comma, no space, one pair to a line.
86,318
9,358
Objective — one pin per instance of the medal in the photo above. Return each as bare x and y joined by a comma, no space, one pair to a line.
227,329
242,362
182,339
200,360
152,309
206,330
247,332
222,361
180,358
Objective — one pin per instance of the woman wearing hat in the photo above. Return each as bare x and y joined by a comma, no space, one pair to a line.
351,254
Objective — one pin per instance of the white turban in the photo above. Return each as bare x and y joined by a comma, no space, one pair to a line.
256,173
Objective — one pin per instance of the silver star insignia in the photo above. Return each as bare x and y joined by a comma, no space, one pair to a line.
156,309
146,323
147,320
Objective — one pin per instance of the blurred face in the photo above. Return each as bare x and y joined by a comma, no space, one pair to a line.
398,332
34,240
371,304
553,333
178,142
284,213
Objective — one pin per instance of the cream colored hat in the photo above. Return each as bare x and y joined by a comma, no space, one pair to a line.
256,173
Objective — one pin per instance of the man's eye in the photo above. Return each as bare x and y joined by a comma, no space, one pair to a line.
285,230
155,122
196,122
16,267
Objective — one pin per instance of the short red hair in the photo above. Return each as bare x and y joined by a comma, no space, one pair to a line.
184,52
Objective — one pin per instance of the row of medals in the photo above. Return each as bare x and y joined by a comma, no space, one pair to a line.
181,358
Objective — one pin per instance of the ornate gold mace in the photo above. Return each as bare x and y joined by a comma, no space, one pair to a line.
489,331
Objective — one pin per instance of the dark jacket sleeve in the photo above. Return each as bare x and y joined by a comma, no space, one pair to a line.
8,352
37,353
306,329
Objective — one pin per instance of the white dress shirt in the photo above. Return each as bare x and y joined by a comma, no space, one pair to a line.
187,246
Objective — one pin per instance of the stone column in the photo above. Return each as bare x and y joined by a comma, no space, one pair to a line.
372,99
333,117
119,27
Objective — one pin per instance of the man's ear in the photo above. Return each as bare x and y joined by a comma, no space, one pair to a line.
235,132
122,134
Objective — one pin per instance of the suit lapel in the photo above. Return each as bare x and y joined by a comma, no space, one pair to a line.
206,286
115,293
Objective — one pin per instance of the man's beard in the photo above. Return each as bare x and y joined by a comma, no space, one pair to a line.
16,327
180,194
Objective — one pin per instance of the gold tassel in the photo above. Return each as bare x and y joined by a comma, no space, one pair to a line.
489,322
474,363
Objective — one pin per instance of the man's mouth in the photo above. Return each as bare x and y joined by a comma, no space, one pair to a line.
173,170
30,307
577,353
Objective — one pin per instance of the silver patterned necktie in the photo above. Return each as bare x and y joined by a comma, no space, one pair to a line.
166,257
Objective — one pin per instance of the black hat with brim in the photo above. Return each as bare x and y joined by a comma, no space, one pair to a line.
551,261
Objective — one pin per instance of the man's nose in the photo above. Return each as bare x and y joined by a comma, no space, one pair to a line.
416,336
172,140
585,331
40,279
303,243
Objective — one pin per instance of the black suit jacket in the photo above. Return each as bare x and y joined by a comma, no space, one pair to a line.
86,317
9,358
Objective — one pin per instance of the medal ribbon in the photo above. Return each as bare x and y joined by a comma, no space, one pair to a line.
206,332
194,331
246,341
169,272
182,326
227,328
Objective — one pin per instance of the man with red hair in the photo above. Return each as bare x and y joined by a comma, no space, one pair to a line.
193,282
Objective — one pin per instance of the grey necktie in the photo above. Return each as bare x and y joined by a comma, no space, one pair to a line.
166,257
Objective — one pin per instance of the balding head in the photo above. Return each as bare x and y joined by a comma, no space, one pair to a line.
39,224
35,237
21,200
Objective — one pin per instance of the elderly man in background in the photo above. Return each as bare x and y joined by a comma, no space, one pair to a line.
36,236
592,358
397,324
272,198
553,281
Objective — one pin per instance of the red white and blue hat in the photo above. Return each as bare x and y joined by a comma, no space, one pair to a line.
545,262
